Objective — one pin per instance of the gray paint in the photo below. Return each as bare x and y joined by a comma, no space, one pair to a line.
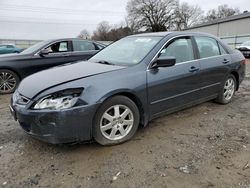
155,91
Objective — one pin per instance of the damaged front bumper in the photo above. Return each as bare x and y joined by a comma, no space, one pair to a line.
62,126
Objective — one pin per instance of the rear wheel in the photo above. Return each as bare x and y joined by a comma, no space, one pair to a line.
8,81
227,91
116,121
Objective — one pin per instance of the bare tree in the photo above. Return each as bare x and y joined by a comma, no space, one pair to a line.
119,32
132,25
101,32
105,32
153,15
187,15
84,34
222,11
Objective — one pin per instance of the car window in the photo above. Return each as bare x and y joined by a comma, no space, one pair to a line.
10,46
180,48
83,45
208,47
58,47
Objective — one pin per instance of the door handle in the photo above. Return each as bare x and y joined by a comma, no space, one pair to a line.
225,61
193,69
65,55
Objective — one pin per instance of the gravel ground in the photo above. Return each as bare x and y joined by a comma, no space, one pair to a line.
204,146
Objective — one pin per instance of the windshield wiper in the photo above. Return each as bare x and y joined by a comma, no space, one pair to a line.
105,62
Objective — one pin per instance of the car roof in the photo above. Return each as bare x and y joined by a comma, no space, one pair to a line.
66,39
154,34
181,33
56,39
164,34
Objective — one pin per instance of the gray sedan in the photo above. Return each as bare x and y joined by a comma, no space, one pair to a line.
127,84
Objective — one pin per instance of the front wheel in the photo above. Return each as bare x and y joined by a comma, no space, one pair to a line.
227,91
116,121
8,81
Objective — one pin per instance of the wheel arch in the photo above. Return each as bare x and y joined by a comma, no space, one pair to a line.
129,94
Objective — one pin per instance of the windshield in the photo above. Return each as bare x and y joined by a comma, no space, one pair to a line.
34,48
247,43
127,51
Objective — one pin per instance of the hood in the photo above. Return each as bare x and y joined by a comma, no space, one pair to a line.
10,57
38,82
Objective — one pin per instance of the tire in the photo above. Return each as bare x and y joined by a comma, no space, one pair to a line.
117,126
229,85
8,81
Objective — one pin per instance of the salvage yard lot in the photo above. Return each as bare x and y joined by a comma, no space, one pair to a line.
204,146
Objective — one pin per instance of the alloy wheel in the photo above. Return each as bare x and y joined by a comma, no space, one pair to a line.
229,89
116,122
7,82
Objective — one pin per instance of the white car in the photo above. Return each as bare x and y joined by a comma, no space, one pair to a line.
245,48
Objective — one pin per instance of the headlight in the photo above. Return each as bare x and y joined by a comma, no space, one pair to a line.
60,100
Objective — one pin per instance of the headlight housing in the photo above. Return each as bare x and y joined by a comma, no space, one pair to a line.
60,100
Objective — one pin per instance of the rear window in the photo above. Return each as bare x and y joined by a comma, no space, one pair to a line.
79,45
208,47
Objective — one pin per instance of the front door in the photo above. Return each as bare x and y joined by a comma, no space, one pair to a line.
176,86
58,54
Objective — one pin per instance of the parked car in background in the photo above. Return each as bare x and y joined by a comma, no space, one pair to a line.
245,48
9,48
130,82
43,55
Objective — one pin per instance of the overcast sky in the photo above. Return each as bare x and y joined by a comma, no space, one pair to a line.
45,19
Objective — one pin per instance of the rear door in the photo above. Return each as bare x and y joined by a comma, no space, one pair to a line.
172,87
83,50
213,60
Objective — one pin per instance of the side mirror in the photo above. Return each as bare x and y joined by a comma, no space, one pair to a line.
44,52
168,61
